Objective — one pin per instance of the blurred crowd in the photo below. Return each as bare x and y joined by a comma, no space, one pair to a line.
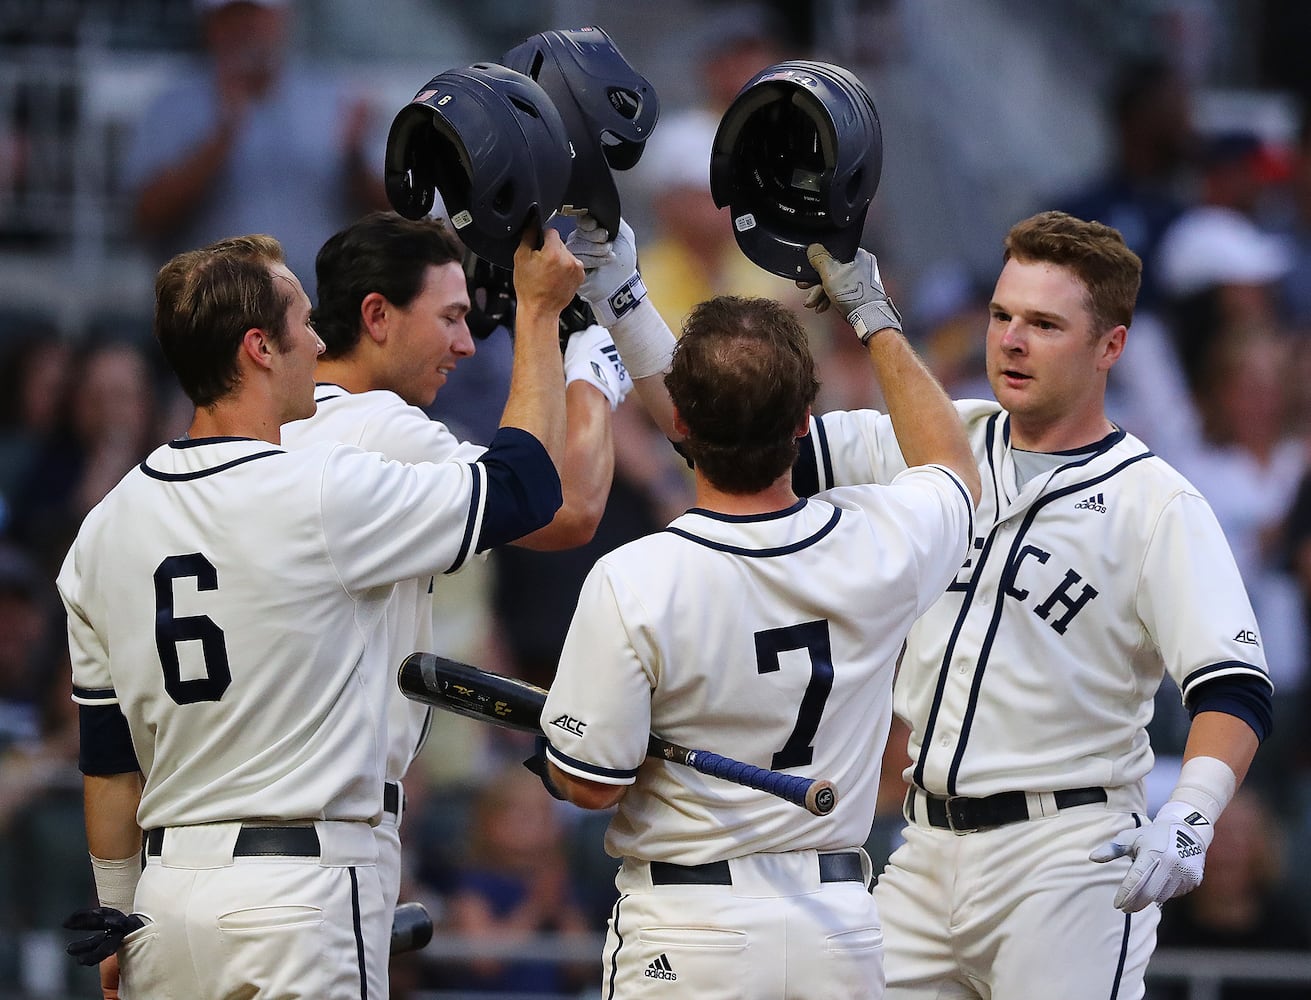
1216,378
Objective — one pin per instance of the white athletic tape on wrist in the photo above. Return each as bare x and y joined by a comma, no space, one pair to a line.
1206,784
621,301
645,341
116,881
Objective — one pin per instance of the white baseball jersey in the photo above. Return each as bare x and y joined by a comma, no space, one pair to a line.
230,597
382,422
771,639
1037,668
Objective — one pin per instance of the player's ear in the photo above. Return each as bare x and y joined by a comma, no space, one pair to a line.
803,428
680,425
373,315
257,348
1111,348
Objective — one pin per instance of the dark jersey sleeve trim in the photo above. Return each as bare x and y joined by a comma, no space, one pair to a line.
106,743
1247,697
523,488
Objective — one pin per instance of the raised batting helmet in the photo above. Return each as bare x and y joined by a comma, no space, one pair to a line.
797,159
489,140
608,108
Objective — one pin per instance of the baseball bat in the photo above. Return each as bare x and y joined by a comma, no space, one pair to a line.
411,927
514,704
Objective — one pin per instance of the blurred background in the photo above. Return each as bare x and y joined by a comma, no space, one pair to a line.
130,129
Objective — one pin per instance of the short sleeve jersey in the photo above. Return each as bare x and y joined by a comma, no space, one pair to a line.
771,639
382,422
1037,668
228,595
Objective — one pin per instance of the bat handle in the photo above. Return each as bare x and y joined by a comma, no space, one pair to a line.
815,795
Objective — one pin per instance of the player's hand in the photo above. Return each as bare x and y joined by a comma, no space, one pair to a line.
611,286
111,926
591,356
545,279
1168,854
856,288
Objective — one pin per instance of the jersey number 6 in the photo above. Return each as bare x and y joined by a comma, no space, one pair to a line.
798,751
170,630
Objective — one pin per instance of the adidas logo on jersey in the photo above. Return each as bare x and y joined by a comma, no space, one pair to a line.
1095,502
661,969
1186,845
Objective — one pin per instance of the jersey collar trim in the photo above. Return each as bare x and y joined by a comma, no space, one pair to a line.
772,515
763,553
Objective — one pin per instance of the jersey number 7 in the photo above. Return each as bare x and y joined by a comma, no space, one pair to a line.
813,637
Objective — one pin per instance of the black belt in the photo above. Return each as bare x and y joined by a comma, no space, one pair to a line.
964,815
842,867
258,841
391,797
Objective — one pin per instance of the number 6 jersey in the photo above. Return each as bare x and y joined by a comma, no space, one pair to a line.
228,595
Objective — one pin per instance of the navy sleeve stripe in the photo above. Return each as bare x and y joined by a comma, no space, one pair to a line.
94,694
565,760
523,488
475,499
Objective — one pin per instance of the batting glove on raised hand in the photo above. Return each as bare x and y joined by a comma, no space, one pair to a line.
591,356
1168,854
856,288
611,284
111,926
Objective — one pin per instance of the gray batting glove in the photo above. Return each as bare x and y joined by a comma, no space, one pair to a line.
1169,855
611,284
855,288
591,356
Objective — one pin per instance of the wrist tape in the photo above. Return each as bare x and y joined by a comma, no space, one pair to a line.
645,342
1207,784
621,301
116,881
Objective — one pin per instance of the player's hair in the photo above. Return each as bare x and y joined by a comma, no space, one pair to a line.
206,300
1095,253
384,253
742,378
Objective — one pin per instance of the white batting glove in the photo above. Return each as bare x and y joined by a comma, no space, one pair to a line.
1169,856
611,284
856,288
591,356
614,290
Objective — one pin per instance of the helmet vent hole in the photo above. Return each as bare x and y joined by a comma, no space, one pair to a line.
524,106
535,70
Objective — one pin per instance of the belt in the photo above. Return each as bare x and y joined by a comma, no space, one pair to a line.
391,797
257,841
842,867
964,815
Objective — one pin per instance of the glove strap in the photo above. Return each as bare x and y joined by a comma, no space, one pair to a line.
621,301
116,881
872,317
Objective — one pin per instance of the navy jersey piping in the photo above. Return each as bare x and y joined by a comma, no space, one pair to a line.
467,541
97,694
1000,604
781,550
182,477
607,772
1201,673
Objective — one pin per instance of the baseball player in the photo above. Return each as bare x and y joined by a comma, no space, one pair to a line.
227,618
1030,864
768,628
392,302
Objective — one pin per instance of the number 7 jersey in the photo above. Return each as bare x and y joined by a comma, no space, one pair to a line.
771,639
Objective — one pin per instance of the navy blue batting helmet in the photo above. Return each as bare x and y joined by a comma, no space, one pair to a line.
797,159
609,110
491,143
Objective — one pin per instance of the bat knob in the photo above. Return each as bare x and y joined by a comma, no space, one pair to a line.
821,798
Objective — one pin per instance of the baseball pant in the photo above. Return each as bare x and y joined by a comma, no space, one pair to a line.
1012,912
229,917
778,932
